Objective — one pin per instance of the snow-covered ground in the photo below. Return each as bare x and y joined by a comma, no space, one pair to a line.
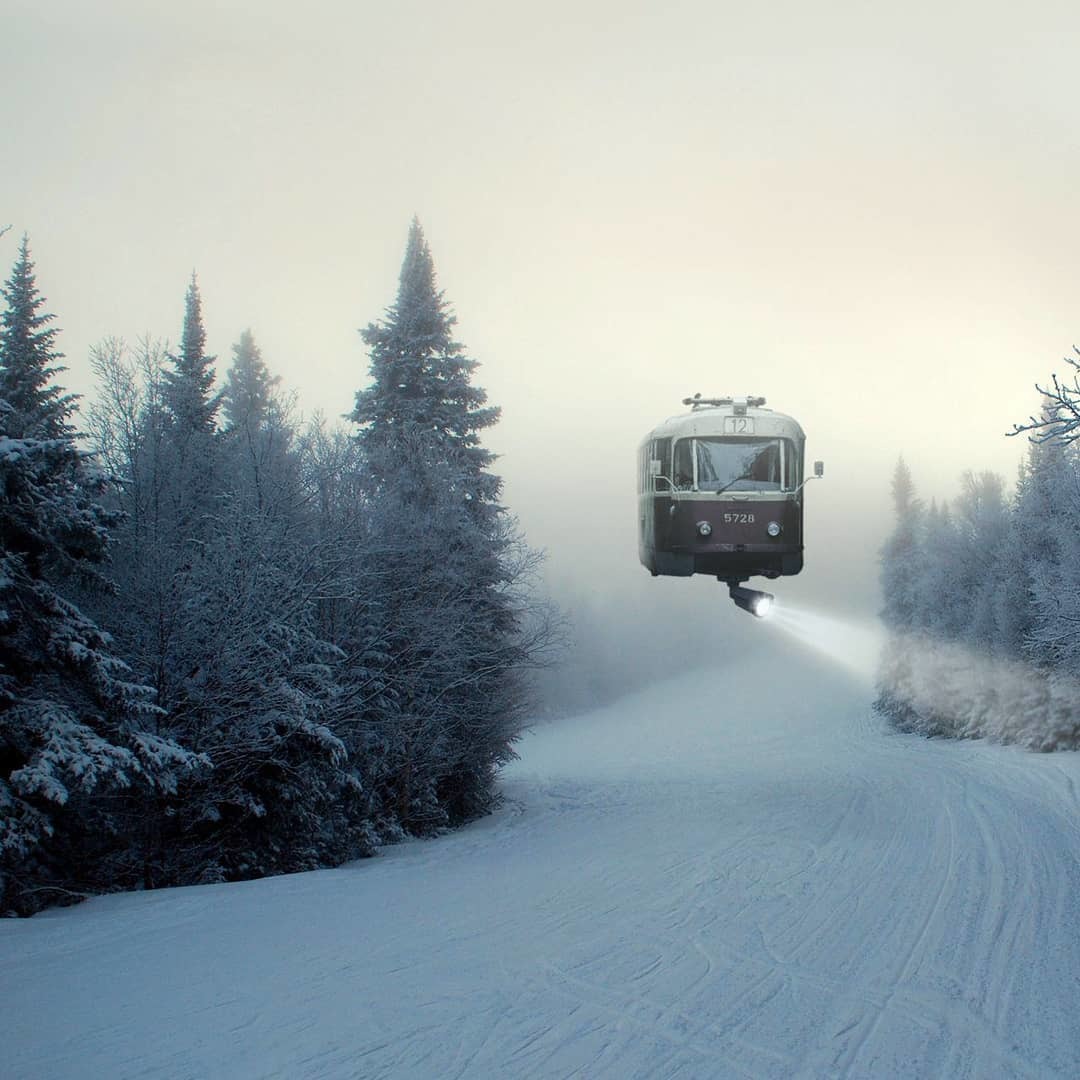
737,873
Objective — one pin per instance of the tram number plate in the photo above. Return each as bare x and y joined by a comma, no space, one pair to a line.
738,425
738,519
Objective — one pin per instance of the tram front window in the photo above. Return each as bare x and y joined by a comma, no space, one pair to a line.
733,464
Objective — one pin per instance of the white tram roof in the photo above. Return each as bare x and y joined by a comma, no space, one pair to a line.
708,419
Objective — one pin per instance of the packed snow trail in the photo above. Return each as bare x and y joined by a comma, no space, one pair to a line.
739,873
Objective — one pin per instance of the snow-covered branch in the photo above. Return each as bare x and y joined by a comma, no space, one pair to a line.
1061,409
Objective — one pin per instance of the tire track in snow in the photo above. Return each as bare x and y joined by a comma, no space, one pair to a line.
913,954
671,1025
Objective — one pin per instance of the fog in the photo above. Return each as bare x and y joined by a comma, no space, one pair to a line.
868,216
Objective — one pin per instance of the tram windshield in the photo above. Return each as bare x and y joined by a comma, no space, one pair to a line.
726,464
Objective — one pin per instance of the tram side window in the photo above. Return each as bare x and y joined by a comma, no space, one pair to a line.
683,477
660,450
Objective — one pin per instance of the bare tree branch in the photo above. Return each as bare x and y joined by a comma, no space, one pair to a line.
1061,409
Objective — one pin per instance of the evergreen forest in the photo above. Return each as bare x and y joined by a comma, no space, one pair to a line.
233,643
982,596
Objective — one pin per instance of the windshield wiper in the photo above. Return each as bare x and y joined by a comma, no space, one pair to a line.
745,476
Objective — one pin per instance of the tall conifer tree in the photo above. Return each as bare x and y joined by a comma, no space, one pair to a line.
191,408
74,724
1047,516
440,541
421,404
900,556
29,360
249,386
189,385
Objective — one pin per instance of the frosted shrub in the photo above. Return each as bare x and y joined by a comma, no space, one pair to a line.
940,688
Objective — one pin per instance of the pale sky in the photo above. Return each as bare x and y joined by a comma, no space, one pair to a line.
867,213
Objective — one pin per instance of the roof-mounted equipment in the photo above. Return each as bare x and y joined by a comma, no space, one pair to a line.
698,402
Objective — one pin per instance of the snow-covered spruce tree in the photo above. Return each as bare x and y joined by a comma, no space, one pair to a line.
940,573
901,556
154,424
1047,526
77,732
442,561
1011,589
983,523
37,407
249,387
1046,519
259,699
222,609
259,435
189,385
191,408
903,592
262,696
932,572
347,608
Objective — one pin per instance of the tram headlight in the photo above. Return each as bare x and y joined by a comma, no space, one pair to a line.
704,528
753,600
773,528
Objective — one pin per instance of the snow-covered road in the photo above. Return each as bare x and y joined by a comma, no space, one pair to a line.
737,873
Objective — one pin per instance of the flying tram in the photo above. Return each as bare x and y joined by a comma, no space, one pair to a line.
720,492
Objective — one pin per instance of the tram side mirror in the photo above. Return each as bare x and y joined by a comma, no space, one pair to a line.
819,468
655,466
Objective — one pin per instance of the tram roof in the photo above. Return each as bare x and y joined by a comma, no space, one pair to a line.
709,420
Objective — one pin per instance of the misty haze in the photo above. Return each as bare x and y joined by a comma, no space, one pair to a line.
539,543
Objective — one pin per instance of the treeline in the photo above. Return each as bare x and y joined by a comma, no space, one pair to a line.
232,644
983,597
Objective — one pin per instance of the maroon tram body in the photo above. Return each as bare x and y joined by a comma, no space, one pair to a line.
720,492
